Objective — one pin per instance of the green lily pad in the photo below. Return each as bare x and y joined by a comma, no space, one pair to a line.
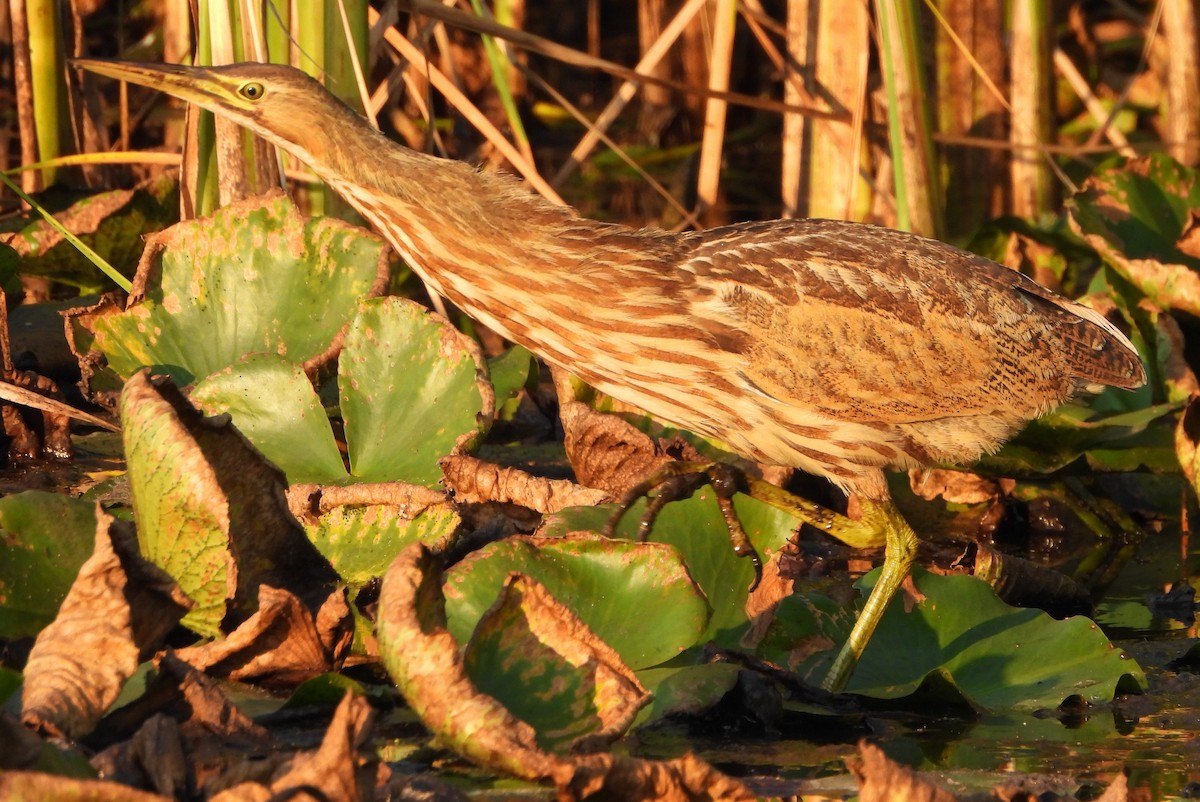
696,528
413,389
637,597
995,656
361,542
256,277
273,403
44,539
535,657
510,371
685,690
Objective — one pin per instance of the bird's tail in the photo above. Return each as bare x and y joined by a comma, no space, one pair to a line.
1100,355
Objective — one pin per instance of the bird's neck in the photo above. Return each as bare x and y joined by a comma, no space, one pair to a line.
481,240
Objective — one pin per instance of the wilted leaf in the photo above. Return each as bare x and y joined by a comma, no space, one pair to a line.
281,645
256,277
1187,442
881,780
152,757
1138,215
44,539
687,779
423,659
25,785
475,481
115,613
332,773
537,658
217,737
605,451
210,510
413,389
636,597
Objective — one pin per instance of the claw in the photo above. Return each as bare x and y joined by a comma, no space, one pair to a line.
680,480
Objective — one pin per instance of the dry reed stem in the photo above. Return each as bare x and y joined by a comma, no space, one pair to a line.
1079,84
469,110
713,143
627,90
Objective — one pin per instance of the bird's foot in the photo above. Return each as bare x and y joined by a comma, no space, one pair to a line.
680,480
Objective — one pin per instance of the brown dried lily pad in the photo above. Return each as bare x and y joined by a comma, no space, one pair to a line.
153,758
336,772
475,481
215,735
281,645
115,614
423,659
18,785
686,779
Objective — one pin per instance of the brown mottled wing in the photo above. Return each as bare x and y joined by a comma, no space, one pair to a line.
870,325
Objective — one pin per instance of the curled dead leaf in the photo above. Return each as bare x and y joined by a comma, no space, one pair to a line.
338,771
956,487
308,502
1187,441
606,451
686,779
423,659
881,780
34,785
118,609
534,635
153,758
475,481
282,644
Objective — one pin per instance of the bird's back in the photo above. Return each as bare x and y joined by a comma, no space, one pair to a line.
903,349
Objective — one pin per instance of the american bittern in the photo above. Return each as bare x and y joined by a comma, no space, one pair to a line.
836,348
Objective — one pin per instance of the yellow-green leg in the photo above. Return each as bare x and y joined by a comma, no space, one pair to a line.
900,549
880,522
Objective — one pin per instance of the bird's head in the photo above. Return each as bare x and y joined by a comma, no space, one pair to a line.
281,104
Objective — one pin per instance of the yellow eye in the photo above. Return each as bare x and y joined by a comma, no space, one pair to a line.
252,90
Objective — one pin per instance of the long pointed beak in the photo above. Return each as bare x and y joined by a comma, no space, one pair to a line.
194,84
